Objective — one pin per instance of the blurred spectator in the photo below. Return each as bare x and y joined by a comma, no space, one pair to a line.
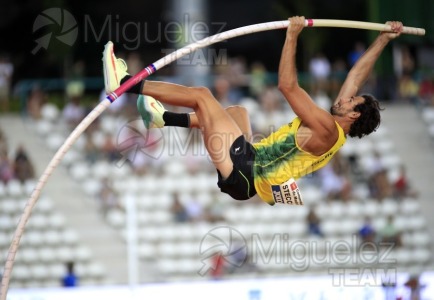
194,160
109,149
70,279
35,101
356,53
320,69
401,186
335,181
145,152
178,210
407,61
408,89
389,233
314,223
237,74
413,283
426,91
108,197
73,112
337,78
214,211
269,99
258,78
239,259
6,71
378,181
194,209
134,62
23,167
91,150
223,92
3,142
77,72
367,233
218,266
6,167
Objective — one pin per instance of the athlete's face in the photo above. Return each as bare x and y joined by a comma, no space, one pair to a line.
345,106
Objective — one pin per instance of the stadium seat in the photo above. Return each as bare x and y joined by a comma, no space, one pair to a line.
56,271
82,254
56,221
148,251
21,273
9,207
95,270
167,249
420,239
389,207
421,256
167,265
65,254
52,237
350,225
410,206
69,237
14,188
28,186
79,171
416,223
336,210
428,115
27,255
297,229
330,228
43,127
44,206
116,218
71,157
403,256
92,187
5,240
54,141
149,234
353,209
47,254
50,112
101,169
38,222
371,208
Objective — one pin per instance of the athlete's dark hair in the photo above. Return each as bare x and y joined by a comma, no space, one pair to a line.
369,119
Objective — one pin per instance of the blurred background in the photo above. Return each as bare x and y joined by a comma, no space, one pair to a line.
130,207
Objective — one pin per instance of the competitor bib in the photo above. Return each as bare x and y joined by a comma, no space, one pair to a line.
287,193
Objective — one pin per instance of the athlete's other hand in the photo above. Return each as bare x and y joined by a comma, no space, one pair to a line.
396,30
296,25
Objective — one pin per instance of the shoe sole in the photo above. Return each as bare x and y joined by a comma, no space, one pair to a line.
107,60
142,106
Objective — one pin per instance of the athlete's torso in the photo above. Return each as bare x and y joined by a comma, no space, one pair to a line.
279,157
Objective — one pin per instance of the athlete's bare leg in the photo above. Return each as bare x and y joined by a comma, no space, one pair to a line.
218,128
238,113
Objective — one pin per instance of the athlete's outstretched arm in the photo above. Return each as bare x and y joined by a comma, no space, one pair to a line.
363,67
299,100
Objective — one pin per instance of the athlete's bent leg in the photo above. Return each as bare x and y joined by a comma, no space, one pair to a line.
238,113
218,127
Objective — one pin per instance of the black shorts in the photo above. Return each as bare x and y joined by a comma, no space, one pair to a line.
240,184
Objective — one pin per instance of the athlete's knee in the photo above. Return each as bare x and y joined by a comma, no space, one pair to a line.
200,91
237,110
202,96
